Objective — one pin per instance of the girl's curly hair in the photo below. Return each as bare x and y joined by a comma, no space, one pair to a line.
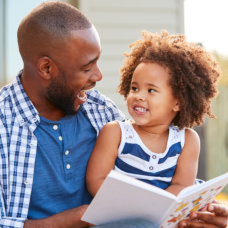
193,73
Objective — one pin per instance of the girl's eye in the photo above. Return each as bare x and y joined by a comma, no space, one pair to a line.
133,88
151,91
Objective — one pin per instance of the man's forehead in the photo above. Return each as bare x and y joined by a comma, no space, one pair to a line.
81,32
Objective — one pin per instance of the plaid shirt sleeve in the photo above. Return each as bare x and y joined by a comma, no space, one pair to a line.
12,222
18,120
5,196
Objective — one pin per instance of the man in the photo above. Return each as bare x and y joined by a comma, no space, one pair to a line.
49,121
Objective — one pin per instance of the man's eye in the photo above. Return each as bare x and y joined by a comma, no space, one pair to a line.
87,70
151,91
133,88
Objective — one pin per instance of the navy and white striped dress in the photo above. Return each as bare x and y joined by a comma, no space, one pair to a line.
136,160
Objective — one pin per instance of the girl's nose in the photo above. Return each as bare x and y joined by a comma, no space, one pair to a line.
141,96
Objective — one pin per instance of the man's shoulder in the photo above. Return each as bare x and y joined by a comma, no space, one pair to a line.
101,109
94,96
6,106
5,95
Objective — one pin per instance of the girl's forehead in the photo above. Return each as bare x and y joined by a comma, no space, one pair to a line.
151,69
151,74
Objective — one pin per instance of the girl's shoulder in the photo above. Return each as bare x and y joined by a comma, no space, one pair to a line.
110,131
120,124
111,124
191,134
176,135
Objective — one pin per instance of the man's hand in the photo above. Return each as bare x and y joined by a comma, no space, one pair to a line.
215,216
66,219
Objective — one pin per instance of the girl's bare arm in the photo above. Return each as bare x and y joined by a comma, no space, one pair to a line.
187,164
103,157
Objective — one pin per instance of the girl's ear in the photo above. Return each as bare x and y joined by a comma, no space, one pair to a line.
176,108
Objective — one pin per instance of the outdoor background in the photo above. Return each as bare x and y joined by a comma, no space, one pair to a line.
120,22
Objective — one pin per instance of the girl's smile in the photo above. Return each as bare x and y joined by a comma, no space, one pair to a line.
139,110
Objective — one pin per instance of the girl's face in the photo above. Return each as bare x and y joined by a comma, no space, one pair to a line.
150,100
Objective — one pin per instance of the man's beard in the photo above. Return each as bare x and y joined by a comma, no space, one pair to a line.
61,96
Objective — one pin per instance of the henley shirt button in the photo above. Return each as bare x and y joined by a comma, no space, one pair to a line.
67,152
68,166
60,138
154,156
151,167
26,182
55,127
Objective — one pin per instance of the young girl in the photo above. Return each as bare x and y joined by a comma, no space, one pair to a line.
168,84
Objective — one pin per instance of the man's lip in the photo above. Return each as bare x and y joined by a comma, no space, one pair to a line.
89,87
82,96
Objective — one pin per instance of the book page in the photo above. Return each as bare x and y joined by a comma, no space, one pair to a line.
123,197
195,198
196,188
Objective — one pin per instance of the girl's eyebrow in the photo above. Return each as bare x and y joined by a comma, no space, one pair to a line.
152,85
148,84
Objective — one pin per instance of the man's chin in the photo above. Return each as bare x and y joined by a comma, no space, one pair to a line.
77,108
71,112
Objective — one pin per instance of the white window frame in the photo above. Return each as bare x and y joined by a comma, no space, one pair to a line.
2,42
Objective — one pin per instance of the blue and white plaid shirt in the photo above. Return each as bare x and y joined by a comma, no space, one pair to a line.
18,145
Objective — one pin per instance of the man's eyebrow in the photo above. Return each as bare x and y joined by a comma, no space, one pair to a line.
91,61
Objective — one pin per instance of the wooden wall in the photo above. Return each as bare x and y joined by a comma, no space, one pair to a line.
119,23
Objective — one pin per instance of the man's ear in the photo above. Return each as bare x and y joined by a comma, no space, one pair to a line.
176,108
47,68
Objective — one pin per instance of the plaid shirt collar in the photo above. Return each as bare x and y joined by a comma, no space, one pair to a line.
24,109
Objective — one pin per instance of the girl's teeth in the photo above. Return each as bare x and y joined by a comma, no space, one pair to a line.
139,109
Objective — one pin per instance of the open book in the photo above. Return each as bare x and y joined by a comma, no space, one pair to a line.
122,197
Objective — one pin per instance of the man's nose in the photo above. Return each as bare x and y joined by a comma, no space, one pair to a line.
97,75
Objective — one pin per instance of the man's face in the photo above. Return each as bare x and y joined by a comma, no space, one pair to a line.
78,71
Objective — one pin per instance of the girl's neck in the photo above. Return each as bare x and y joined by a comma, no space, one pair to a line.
151,130
155,138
